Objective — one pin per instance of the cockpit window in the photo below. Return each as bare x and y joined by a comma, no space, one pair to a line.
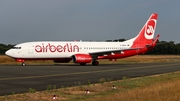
16,48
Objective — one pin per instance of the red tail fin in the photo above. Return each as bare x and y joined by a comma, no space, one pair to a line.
146,34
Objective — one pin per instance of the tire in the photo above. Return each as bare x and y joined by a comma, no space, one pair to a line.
23,64
95,63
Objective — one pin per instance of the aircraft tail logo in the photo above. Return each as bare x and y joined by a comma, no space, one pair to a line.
150,29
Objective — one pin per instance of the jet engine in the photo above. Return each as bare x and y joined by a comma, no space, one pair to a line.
81,58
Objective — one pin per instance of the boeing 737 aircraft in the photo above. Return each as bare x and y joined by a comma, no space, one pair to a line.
86,52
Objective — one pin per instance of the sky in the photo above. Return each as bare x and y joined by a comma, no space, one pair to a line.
88,20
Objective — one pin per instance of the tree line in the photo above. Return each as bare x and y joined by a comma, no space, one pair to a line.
4,48
165,48
162,48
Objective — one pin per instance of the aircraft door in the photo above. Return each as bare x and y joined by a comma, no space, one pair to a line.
30,49
137,46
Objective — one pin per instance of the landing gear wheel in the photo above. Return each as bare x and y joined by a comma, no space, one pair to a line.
95,63
23,64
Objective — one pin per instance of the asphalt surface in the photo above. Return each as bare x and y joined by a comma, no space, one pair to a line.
19,79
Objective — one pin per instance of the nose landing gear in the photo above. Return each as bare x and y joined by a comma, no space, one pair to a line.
22,61
23,64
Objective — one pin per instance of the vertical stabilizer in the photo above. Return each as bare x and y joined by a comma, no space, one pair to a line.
146,34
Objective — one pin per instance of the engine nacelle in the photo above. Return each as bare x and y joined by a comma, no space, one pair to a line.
81,58
62,60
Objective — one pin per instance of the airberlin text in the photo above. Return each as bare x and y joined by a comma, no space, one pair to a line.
56,48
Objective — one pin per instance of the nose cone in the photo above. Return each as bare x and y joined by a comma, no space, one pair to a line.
8,53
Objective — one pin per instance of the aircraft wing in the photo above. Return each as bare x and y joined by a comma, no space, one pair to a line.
112,51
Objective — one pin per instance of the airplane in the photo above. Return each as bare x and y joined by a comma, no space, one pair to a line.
86,52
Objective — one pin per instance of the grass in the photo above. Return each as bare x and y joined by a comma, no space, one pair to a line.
157,88
164,87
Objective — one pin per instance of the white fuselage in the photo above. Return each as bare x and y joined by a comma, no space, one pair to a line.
55,49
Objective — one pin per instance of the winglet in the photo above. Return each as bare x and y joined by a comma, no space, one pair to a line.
156,39
153,44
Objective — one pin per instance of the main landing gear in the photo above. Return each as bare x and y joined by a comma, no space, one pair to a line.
95,63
